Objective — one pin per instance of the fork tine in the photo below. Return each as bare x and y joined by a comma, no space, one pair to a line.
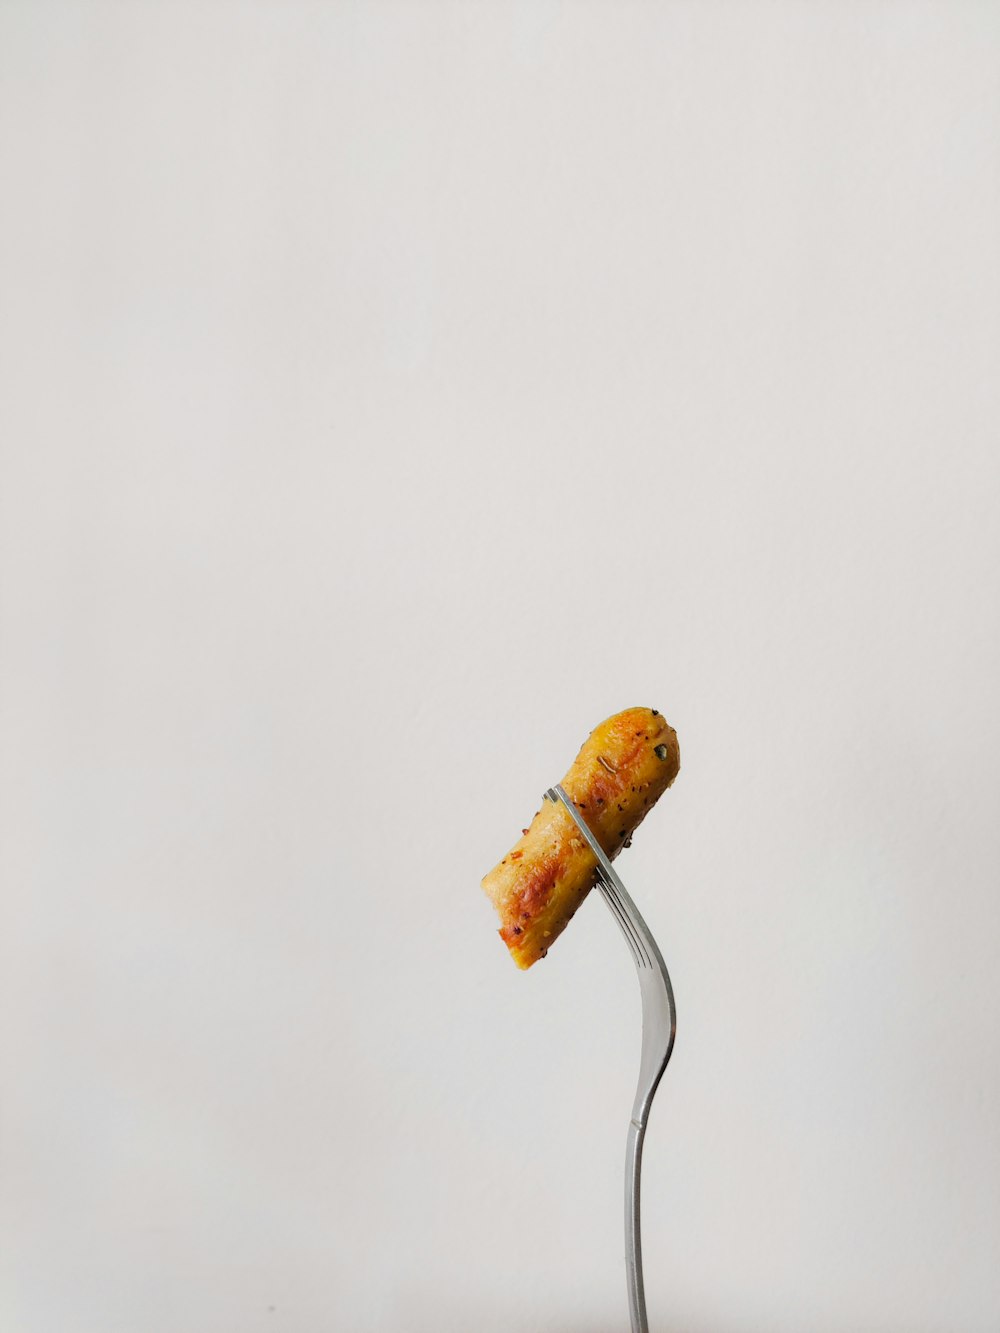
621,916
634,935
637,933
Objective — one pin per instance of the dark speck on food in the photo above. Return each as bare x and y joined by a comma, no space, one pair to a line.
660,751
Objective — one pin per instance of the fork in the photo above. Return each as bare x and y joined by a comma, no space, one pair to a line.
659,1027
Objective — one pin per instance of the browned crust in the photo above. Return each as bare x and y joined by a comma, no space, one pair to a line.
622,769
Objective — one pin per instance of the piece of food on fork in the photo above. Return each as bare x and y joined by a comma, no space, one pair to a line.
624,767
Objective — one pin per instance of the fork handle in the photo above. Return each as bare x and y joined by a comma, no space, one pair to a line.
633,1239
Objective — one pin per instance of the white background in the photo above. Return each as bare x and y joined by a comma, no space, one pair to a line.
389,393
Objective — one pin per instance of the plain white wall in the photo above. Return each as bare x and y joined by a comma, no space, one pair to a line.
389,393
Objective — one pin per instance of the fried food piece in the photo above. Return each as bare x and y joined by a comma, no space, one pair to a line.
624,767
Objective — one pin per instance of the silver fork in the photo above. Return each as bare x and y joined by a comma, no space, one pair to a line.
659,1026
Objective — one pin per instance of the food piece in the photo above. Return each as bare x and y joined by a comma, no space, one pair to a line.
624,767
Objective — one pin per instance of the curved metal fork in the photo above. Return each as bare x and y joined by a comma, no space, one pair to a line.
659,1027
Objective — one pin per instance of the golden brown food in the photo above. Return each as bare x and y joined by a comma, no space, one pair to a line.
624,767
